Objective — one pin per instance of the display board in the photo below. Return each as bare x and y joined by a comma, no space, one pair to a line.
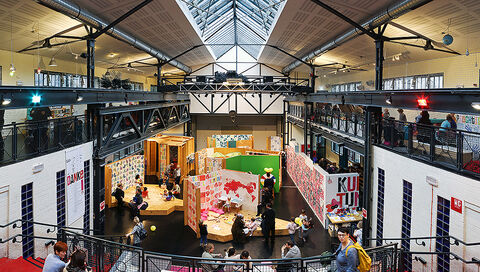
74,179
203,192
222,140
213,164
124,172
162,158
323,192
256,164
274,143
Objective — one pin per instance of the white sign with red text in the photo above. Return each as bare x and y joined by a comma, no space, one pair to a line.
74,185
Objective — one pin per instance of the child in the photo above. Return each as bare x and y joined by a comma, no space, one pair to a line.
170,197
203,233
176,191
303,215
252,226
145,193
165,194
292,227
226,206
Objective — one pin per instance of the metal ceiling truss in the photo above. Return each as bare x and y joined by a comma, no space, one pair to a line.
122,127
441,100
240,88
239,97
21,97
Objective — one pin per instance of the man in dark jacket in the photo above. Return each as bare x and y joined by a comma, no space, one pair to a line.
119,194
268,223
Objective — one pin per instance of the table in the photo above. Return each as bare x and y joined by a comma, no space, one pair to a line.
333,221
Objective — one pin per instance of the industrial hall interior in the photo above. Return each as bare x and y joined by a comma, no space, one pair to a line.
239,135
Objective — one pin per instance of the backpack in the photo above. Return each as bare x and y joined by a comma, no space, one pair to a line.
365,262
142,233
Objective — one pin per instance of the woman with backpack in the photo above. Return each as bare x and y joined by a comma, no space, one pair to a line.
347,255
139,232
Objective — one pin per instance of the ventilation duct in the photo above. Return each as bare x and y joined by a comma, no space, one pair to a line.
74,11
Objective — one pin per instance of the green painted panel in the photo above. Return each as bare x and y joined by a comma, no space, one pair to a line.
255,164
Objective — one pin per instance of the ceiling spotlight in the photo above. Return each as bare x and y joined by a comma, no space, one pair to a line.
389,100
52,62
206,94
12,70
5,101
221,95
428,45
79,98
476,105
271,94
253,95
324,75
213,95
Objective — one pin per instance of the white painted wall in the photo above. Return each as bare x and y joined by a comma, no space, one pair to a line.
243,107
44,196
424,206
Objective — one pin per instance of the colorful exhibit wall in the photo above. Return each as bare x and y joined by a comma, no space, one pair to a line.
125,170
223,140
213,185
323,192
162,157
274,143
256,165
213,164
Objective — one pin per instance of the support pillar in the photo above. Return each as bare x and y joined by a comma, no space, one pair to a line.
379,65
98,195
159,75
90,63
305,128
312,78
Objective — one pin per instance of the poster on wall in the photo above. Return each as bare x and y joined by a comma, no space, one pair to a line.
342,192
242,186
191,204
75,190
213,164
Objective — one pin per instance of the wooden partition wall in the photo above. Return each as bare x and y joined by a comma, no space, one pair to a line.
158,157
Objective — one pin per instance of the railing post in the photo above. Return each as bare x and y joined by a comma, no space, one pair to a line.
432,144
14,141
459,150
38,137
410,139
75,130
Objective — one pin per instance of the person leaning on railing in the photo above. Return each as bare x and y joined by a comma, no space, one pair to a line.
208,254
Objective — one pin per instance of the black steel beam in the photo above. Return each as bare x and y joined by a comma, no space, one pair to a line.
122,109
441,100
346,19
21,97
120,19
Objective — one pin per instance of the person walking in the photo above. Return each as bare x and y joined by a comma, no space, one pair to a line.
136,232
203,233
292,227
346,262
268,223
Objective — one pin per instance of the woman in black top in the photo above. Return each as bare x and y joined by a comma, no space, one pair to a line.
203,233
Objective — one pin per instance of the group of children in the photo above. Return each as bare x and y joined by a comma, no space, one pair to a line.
303,223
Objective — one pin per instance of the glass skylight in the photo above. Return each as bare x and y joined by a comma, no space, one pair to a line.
224,24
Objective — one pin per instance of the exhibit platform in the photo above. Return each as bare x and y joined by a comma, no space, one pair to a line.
156,204
220,228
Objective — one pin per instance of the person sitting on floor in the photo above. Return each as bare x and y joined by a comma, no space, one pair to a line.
252,226
145,193
135,202
238,232
169,197
176,191
165,193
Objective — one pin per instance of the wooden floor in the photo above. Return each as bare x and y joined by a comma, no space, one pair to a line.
220,229
156,204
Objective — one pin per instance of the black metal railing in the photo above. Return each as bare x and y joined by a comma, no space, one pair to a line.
416,255
21,141
444,147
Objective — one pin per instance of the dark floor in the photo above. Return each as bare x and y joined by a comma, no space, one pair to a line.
172,237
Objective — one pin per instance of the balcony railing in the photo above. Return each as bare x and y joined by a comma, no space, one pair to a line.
21,141
449,148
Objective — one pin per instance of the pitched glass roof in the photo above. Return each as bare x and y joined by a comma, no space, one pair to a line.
223,24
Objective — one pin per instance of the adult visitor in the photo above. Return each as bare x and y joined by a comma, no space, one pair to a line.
203,233
268,223
346,261
119,194
290,251
53,262
401,116
423,127
78,262
208,254
358,233
136,231
265,198
238,227
136,202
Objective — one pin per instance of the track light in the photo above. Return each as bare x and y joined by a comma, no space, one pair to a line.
221,95
213,95
389,100
5,101
79,98
52,62
271,94
206,94
253,95
476,105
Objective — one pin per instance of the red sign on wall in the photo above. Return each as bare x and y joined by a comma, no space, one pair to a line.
456,205
102,205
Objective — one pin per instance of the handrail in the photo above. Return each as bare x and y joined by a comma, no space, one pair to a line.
456,240
33,122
